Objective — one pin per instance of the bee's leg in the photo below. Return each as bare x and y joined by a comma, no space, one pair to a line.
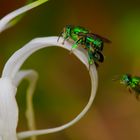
90,59
59,36
79,41
93,56
130,90
137,93
137,97
66,38
91,47
75,45
64,41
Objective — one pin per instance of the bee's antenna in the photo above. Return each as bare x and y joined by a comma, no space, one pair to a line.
116,78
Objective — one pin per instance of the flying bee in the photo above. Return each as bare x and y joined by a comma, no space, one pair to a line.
132,83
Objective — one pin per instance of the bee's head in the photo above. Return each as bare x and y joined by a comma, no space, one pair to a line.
125,79
66,31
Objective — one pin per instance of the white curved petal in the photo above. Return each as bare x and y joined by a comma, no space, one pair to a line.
4,22
94,81
14,63
30,75
8,110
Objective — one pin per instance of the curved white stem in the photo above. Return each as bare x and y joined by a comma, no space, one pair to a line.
14,63
5,21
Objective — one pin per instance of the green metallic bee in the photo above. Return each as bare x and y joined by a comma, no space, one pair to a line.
83,36
132,83
93,43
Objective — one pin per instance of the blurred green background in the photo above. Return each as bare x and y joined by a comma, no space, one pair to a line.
63,87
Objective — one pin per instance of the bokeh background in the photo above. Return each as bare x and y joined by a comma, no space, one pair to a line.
63,87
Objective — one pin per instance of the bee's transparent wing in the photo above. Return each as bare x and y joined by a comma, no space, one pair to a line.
98,36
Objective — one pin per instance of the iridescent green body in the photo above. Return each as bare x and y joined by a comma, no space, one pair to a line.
95,41
91,42
77,31
132,83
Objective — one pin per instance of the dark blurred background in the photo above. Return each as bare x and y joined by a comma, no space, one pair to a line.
63,87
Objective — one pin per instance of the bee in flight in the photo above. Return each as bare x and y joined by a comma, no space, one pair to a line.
91,42
132,83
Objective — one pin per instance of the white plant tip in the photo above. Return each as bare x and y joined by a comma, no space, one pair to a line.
5,22
13,65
